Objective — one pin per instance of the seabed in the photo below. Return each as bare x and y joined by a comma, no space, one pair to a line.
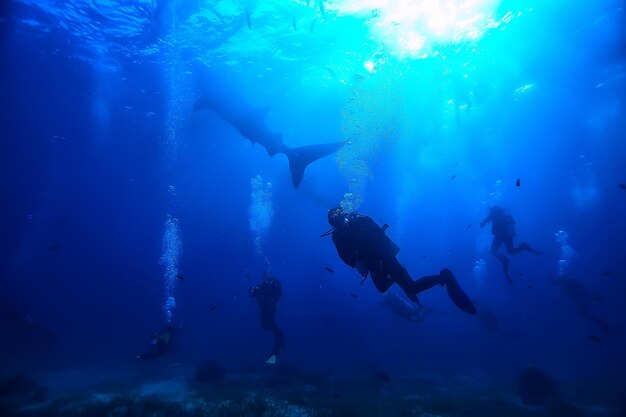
272,393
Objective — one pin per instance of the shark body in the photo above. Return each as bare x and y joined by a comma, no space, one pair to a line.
232,107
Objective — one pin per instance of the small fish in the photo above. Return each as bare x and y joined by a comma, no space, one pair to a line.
352,295
248,20
453,177
594,338
519,274
175,365
597,297
212,308
529,286
248,276
518,182
468,226
293,24
180,277
329,269
607,273
54,247
424,256
622,186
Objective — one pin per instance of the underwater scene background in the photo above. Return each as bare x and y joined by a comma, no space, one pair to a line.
152,164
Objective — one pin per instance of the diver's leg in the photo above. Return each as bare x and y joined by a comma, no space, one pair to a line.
525,246
279,340
495,246
505,269
601,323
513,250
381,280
268,312
426,282
521,248
510,249
400,276
279,344
455,292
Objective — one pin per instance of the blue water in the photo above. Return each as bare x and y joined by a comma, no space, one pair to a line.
123,209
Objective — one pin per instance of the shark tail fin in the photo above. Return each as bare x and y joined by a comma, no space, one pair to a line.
301,157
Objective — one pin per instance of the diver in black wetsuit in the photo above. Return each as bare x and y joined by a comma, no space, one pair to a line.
363,245
162,342
583,300
503,231
267,294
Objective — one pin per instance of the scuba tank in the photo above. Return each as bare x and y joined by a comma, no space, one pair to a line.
394,248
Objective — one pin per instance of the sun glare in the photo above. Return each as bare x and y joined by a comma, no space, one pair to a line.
415,27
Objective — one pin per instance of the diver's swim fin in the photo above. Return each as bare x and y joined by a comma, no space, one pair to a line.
301,157
271,360
456,293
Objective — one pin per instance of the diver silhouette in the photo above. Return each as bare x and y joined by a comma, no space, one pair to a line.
162,343
363,244
503,231
267,294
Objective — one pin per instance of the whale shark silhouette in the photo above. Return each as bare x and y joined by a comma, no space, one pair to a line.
218,96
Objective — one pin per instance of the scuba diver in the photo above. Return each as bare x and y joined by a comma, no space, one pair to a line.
583,300
503,231
162,342
363,245
267,294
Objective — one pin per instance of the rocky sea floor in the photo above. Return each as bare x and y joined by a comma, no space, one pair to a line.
281,393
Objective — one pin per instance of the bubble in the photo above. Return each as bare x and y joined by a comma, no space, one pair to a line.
350,202
370,122
561,237
480,269
567,252
498,190
261,212
170,255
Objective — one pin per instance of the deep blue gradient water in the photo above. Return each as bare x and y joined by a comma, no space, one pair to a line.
112,186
